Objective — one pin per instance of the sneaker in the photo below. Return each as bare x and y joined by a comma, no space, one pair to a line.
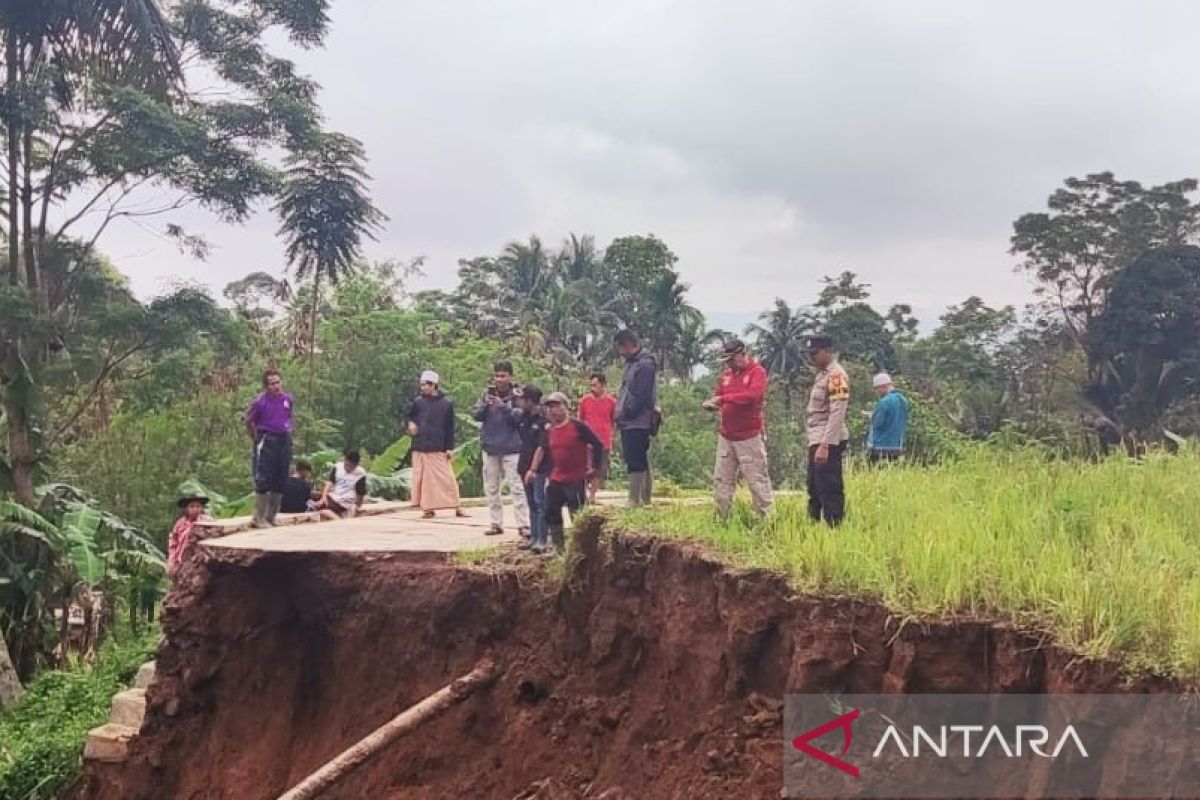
495,530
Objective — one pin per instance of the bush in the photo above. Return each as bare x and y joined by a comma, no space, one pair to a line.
42,735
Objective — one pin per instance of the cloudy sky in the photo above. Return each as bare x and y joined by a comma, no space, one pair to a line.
768,142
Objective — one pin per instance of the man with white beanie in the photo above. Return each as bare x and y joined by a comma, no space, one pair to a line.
430,423
889,421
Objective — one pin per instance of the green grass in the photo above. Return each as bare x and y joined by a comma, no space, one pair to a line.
475,555
42,735
1106,557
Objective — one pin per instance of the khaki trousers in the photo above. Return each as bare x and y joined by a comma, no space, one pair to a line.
749,458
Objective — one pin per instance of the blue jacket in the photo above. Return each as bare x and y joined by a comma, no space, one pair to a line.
501,435
889,422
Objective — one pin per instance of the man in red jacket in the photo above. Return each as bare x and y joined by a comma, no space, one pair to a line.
741,390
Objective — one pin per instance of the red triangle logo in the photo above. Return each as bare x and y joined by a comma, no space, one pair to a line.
846,723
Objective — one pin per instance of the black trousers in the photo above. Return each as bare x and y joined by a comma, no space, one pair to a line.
635,448
571,495
272,462
826,491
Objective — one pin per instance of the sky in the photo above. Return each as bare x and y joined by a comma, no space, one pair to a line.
768,142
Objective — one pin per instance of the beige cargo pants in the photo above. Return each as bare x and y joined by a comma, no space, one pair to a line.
748,457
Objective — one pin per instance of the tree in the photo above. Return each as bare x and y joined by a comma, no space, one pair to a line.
1147,341
778,340
325,212
1095,226
841,291
861,335
95,111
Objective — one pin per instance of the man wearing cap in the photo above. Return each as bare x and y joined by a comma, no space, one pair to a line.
575,454
826,433
889,421
430,423
183,532
269,423
741,388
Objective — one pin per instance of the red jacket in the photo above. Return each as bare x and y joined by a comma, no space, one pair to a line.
742,393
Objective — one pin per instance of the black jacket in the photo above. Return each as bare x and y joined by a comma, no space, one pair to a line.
532,427
434,417
639,393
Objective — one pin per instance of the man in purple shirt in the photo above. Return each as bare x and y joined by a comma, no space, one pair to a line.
269,422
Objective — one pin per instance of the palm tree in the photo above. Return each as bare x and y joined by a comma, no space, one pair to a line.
779,343
325,212
666,314
698,345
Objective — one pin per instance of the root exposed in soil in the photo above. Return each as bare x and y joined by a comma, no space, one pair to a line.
652,671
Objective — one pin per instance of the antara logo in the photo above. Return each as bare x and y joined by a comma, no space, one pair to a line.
1025,738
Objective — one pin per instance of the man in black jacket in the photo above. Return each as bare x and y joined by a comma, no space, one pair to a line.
637,413
430,423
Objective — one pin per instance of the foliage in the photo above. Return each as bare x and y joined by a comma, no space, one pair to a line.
1105,556
42,736
1147,339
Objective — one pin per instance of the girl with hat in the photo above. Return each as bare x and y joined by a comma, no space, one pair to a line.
193,503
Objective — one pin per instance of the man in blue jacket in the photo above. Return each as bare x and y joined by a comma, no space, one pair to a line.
889,421
501,440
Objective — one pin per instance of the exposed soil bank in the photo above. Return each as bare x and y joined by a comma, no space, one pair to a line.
655,671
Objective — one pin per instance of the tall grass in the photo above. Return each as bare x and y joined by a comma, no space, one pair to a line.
1104,556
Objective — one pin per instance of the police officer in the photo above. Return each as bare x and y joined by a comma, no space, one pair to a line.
826,433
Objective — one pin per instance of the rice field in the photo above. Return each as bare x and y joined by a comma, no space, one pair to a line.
1105,556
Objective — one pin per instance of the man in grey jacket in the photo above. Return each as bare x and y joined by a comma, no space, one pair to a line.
501,441
636,414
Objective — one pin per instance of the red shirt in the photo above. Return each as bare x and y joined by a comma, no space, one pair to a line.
742,393
597,413
568,446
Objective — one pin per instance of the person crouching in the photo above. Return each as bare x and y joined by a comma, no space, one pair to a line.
346,489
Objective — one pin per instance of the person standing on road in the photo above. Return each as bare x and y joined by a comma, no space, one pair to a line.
889,421
430,423
575,453
501,441
739,396
269,423
533,427
826,433
637,414
596,410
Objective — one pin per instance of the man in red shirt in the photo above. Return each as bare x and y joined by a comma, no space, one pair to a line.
574,453
597,410
741,389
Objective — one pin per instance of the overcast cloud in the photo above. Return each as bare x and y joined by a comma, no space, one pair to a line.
768,143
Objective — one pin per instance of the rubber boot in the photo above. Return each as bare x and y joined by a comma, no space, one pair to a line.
635,488
647,487
261,502
274,501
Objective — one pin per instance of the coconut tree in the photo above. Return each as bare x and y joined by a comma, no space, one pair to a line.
779,343
325,212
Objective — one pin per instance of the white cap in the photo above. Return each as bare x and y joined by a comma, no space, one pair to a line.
882,379
429,376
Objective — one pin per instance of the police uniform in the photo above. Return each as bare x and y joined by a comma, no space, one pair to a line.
825,423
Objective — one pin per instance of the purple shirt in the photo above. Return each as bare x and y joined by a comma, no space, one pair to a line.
271,413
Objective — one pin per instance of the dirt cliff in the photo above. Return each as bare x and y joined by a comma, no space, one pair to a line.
650,670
